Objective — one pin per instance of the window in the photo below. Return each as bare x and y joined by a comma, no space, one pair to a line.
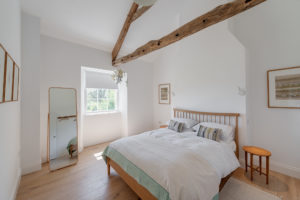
101,100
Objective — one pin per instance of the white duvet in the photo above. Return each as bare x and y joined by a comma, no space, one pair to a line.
187,166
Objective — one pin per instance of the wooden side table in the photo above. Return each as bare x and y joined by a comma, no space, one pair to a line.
258,152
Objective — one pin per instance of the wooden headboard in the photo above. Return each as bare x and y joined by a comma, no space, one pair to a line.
221,118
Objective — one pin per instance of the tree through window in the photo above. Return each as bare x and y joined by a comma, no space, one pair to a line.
101,100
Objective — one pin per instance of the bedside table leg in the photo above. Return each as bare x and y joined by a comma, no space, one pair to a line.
251,165
246,161
259,165
267,169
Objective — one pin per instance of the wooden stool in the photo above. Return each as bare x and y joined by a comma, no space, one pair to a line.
258,152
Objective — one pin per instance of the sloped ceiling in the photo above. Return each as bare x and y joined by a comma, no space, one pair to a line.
97,23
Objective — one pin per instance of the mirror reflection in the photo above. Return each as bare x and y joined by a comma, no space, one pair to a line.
63,142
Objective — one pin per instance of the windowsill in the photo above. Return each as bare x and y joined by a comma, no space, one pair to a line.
103,113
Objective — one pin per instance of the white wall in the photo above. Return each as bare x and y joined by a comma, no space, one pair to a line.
99,128
205,71
10,38
30,105
140,96
61,66
270,32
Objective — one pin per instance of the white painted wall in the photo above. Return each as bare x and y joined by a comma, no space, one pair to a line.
30,105
99,128
140,96
10,38
61,66
205,71
270,32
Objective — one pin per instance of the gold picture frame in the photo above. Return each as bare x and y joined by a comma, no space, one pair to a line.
16,82
9,77
2,70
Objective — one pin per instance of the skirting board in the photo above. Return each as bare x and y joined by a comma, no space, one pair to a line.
278,167
31,169
13,195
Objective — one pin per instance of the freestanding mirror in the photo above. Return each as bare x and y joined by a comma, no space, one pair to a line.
62,128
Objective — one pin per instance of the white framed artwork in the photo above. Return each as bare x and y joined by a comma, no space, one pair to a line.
164,91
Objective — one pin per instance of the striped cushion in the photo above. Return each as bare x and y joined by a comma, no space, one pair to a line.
210,133
176,126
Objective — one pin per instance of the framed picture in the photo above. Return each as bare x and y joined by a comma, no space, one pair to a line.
284,88
2,65
8,82
16,74
164,93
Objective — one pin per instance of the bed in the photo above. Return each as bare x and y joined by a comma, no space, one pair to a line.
163,164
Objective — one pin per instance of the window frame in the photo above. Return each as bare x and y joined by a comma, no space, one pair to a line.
117,110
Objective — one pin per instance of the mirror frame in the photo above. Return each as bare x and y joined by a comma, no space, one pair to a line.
48,129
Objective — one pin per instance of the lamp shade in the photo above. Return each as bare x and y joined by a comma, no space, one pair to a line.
145,2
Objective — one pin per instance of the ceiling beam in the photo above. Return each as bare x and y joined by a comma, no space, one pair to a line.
140,12
124,31
214,16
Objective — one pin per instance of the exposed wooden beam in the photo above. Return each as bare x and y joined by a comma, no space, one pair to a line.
216,15
124,31
140,12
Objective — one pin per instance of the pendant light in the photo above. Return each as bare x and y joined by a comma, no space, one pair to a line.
117,76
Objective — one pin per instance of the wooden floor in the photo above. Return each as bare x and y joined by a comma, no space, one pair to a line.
286,187
88,181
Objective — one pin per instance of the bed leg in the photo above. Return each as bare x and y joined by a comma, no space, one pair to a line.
108,166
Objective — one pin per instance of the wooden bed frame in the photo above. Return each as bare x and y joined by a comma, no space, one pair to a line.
221,118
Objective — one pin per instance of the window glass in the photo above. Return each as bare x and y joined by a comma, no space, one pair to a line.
101,100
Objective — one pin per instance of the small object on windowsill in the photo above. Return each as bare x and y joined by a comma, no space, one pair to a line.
163,126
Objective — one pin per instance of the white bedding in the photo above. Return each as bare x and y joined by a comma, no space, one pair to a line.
187,166
230,144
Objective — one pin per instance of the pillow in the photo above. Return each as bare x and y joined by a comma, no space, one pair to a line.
188,123
227,134
176,126
210,133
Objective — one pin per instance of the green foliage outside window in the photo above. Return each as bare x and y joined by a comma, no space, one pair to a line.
102,100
